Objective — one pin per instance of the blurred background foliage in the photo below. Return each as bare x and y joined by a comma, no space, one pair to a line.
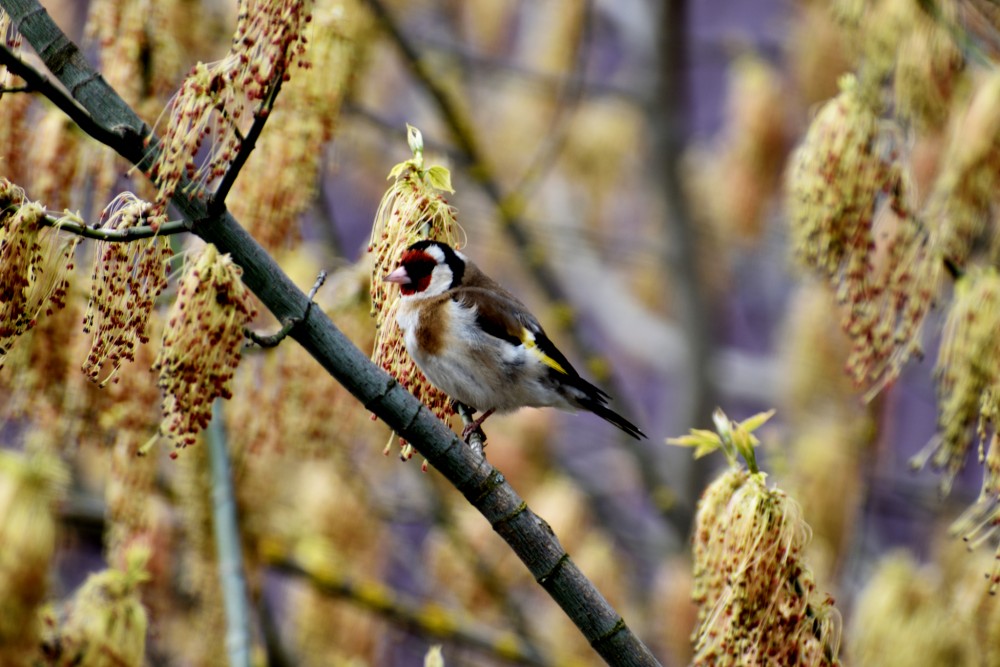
619,165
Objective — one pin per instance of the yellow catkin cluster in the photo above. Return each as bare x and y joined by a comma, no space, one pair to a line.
959,204
118,27
34,260
198,575
214,99
129,494
981,522
912,43
279,182
54,159
751,156
29,485
106,623
127,279
281,389
853,223
909,272
928,66
14,135
757,602
41,377
907,612
968,366
918,249
968,395
925,246
835,177
413,208
202,343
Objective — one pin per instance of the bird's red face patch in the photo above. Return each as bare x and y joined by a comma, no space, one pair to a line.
419,266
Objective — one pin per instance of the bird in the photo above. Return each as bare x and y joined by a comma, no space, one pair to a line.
480,345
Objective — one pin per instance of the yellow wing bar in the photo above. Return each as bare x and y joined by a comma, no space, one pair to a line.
528,339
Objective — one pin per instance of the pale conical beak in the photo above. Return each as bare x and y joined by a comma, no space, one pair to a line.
398,276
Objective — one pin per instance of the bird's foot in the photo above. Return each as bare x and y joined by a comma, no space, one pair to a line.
474,427
471,429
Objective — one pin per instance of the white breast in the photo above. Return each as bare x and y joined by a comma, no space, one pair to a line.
475,368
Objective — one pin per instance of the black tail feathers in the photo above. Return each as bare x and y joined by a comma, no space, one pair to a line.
588,397
609,415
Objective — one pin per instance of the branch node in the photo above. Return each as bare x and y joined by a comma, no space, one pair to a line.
272,340
492,481
27,15
287,324
93,76
545,579
507,518
607,636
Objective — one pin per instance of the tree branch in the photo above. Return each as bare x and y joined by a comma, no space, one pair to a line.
37,82
117,235
275,339
228,543
481,484
247,143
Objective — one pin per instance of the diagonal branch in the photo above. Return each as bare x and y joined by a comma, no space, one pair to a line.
471,474
38,82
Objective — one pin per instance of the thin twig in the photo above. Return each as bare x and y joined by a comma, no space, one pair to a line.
286,328
227,541
117,235
218,200
268,341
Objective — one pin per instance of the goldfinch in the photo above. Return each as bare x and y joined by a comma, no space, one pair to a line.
478,343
